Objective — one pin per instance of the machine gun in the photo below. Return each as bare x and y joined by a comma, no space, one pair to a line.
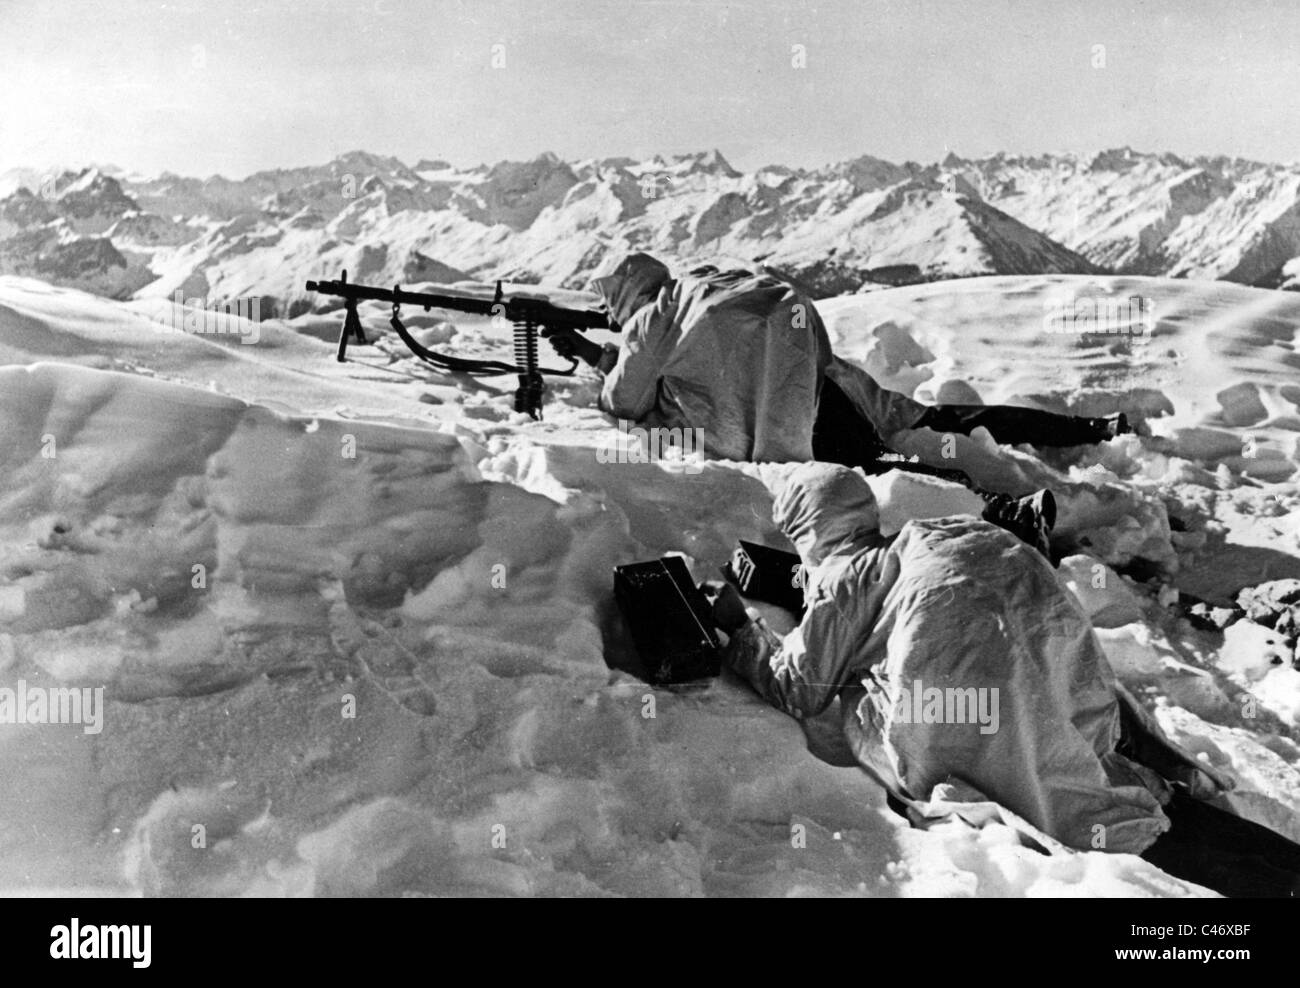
527,313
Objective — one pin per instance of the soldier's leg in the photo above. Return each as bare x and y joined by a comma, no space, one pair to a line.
1010,424
841,435
1235,857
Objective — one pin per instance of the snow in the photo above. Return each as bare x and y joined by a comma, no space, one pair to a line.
1108,598
1291,274
450,579
905,496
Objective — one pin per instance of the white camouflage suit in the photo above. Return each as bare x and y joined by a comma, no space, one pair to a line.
739,356
958,604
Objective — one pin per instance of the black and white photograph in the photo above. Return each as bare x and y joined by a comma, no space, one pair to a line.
642,449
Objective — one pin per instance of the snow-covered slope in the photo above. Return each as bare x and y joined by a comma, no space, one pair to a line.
1215,377
375,540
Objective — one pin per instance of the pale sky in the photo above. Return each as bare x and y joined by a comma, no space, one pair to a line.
232,86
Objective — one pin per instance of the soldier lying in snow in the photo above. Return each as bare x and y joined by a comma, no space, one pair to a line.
745,359
957,658
964,675
738,356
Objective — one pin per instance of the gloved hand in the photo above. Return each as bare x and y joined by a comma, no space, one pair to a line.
729,612
572,345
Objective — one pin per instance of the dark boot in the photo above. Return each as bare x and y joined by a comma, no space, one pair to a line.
1030,519
1106,427
1041,505
1111,426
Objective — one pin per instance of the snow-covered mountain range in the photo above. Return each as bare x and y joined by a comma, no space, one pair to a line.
847,227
